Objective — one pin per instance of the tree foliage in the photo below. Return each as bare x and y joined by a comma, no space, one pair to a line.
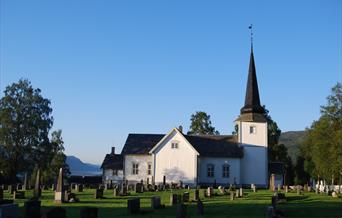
25,121
201,124
322,148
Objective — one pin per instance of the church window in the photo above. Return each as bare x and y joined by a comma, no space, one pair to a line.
135,169
210,170
225,171
149,168
252,129
174,145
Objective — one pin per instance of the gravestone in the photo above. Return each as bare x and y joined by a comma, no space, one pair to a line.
9,210
18,195
98,193
19,187
155,202
37,193
221,189
309,188
210,191
205,193
116,192
237,193
173,199
55,212
79,187
272,182
279,188
139,188
241,192
200,208
181,211
133,205
25,182
88,212
231,195
286,189
186,197
164,180
32,208
299,191
196,196
334,194
59,193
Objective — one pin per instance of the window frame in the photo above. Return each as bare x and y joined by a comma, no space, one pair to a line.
174,145
210,170
252,129
135,168
149,168
225,173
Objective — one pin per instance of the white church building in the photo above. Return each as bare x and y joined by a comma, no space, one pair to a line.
199,159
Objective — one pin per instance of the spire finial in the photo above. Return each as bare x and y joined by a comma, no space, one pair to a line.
251,28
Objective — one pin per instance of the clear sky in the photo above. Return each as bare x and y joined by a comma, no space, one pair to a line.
111,68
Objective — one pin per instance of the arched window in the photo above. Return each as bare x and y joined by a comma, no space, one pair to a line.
225,170
210,170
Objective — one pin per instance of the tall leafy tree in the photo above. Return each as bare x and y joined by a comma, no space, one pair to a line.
322,148
201,124
25,121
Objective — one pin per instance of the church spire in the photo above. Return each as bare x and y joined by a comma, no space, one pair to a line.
252,99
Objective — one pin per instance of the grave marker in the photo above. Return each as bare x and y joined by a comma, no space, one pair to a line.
155,202
173,199
199,208
186,197
59,193
196,196
133,205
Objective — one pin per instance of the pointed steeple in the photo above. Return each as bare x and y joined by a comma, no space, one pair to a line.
252,99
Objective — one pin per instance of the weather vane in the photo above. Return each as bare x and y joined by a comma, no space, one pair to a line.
251,28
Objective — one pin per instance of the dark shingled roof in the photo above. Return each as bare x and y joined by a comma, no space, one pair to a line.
215,145
113,161
140,143
205,145
252,99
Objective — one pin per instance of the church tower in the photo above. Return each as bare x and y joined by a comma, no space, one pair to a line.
252,133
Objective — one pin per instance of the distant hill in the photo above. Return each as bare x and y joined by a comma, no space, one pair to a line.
79,168
292,140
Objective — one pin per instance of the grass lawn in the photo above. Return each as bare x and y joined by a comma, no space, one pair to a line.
251,205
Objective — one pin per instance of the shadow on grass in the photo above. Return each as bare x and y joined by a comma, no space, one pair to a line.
297,198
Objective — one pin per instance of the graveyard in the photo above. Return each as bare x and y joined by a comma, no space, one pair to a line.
250,204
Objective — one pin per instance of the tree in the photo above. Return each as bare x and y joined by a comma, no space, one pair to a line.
201,124
322,148
25,121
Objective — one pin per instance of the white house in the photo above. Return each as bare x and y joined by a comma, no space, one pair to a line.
204,159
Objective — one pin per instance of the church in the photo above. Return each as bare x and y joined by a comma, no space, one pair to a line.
198,159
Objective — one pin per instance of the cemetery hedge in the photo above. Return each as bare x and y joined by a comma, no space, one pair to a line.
251,205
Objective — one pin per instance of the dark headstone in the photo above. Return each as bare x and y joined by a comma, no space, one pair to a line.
179,198
19,187
181,211
98,193
32,209
79,187
88,212
56,212
196,196
9,210
133,205
139,188
173,199
18,195
155,202
205,193
164,180
186,197
199,208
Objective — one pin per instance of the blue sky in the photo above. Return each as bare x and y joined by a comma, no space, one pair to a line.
116,67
